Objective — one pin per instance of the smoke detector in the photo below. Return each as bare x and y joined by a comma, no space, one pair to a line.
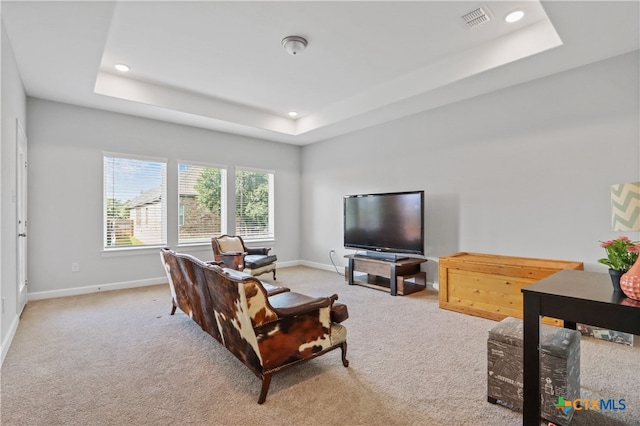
294,44
476,17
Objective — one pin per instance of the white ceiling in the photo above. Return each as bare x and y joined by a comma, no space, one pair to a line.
220,65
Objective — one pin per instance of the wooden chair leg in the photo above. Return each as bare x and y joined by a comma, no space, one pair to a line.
266,381
173,308
345,361
274,274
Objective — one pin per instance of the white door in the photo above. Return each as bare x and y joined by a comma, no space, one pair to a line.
21,212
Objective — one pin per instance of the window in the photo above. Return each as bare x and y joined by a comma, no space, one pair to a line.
254,204
135,210
201,202
180,215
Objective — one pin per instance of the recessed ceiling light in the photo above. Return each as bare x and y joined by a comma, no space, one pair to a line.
122,67
514,16
292,114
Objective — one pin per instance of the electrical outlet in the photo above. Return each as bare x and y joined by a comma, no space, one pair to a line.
75,267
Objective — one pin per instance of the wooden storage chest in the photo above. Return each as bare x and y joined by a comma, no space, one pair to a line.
488,285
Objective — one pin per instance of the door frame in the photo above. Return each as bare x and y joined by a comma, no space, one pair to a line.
21,218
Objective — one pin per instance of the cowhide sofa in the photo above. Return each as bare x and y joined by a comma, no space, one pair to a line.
267,327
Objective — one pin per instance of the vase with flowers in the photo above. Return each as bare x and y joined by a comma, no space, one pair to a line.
622,253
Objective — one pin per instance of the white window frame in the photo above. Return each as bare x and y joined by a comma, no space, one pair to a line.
181,209
223,199
163,202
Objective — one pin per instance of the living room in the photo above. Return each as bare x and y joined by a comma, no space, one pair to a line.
524,169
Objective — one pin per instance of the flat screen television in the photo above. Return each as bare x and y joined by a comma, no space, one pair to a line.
386,225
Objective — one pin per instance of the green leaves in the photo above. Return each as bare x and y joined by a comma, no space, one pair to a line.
208,188
621,253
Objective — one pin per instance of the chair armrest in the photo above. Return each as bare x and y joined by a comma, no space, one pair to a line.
290,304
257,250
234,273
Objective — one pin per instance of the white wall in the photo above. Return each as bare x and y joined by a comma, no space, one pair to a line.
66,145
525,171
13,107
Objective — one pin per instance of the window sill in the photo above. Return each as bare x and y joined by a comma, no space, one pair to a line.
202,244
131,251
260,243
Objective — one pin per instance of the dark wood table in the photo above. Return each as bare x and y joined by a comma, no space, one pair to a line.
576,297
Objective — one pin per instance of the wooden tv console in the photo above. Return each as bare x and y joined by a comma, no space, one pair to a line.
395,276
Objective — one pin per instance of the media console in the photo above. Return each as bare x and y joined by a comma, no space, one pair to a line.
401,276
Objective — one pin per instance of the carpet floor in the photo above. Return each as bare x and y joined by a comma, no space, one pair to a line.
118,357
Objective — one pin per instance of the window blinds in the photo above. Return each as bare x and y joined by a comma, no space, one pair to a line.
254,204
135,209
201,203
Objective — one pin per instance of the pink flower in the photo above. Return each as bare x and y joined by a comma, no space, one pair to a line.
621,253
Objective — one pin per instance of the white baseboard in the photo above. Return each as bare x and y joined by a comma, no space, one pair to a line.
322,266
39,295
288,263
6,343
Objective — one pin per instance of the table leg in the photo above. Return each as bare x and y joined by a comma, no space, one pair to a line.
393,284
350,278
531,376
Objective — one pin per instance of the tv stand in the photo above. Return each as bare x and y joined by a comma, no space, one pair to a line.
402,276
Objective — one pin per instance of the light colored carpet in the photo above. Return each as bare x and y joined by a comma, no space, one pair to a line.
118,358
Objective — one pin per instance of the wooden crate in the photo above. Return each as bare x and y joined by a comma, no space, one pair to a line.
488,285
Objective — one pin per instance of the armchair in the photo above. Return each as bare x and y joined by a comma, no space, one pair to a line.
231,251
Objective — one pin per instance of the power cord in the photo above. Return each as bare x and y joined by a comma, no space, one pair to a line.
331,252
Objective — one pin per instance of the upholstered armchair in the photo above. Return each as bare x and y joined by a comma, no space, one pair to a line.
231,251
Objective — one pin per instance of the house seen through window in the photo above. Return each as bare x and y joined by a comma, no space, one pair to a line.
135,210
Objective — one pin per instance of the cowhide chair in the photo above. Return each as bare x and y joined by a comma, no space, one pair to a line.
267,333
232,251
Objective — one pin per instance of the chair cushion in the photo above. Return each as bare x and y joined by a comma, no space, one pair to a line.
289,299
253,261
228,244
269,288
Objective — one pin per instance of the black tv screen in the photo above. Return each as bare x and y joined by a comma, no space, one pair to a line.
391,222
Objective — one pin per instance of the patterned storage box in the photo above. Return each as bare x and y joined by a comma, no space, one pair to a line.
559,367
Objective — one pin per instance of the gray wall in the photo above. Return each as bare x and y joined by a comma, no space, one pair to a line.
13,107
525,171
66,145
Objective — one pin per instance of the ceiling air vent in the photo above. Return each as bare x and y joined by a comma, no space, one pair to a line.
476,17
